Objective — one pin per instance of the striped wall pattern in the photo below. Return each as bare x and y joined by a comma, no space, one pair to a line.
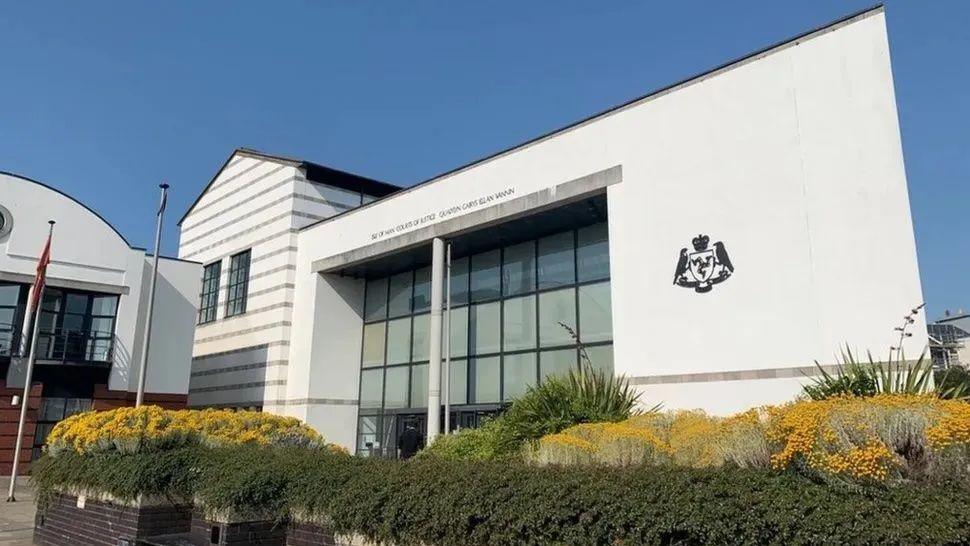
256,204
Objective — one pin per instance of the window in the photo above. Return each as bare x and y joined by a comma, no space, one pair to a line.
486,378
519,373
422,290
371,388
593,253
519,269
52,411
556,261
374,344
209,301
484,328
556,362
399,341
238,284
555,309
485,278
76,326
595,316
419,386
13,298
375,303
519,329
421,335
396,387
399,300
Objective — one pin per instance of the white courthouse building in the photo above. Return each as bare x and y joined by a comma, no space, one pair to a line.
710,241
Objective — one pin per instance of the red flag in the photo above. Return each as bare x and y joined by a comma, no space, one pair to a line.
41,278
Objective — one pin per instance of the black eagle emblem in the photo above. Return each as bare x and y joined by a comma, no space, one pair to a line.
704,267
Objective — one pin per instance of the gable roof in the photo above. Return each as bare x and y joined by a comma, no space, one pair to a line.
314,172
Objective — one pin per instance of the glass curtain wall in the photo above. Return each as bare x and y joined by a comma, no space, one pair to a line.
509,308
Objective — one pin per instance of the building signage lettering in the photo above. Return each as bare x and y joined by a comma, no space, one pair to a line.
443,213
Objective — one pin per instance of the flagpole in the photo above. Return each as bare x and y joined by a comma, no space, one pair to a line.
143,368
25,401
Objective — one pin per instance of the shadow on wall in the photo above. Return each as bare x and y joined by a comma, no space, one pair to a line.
218,380
173,329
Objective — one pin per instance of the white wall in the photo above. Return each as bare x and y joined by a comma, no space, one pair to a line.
792,159
174,316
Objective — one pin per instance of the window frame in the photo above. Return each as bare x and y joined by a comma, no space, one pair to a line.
238,280
213,306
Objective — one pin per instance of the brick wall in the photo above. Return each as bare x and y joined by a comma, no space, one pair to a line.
9,417
62,523
105,399
306,534
241,533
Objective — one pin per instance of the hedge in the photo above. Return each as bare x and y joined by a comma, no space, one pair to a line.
453,502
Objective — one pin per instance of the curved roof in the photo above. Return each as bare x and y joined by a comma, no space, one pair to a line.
87,208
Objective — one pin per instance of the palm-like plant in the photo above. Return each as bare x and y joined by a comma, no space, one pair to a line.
586,395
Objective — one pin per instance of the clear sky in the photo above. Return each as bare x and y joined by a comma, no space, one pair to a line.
104,100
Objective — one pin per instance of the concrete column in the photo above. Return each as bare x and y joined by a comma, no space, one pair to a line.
434,356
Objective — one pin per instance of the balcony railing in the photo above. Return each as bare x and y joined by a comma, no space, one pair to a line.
9,340
75,346
67,346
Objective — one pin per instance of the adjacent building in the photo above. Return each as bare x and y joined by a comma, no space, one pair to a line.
92,320
948,338
709,241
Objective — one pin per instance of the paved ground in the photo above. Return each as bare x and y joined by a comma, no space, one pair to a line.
16,518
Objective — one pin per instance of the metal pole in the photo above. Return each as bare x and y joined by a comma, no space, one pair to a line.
434,356
447,341
27,380
143,367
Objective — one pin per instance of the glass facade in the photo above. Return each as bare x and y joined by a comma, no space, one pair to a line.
511,307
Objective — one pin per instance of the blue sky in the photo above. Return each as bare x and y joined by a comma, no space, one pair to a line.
104,100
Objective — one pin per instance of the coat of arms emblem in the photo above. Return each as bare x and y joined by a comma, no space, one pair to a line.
704,267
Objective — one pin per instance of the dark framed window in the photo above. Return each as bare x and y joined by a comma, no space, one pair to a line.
508,306
209,300
76,325
238,285
13,298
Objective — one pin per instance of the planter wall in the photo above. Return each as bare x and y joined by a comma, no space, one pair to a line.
65,523
99,522
237,532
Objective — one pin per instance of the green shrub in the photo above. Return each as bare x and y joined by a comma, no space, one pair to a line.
453,502
492,440
954,380
851,378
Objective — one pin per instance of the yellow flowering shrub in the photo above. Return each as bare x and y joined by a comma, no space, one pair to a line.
872,438
130,430
608,443
690,437
875,438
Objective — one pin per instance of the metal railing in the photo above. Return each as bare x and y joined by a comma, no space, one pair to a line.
74,345
60,345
